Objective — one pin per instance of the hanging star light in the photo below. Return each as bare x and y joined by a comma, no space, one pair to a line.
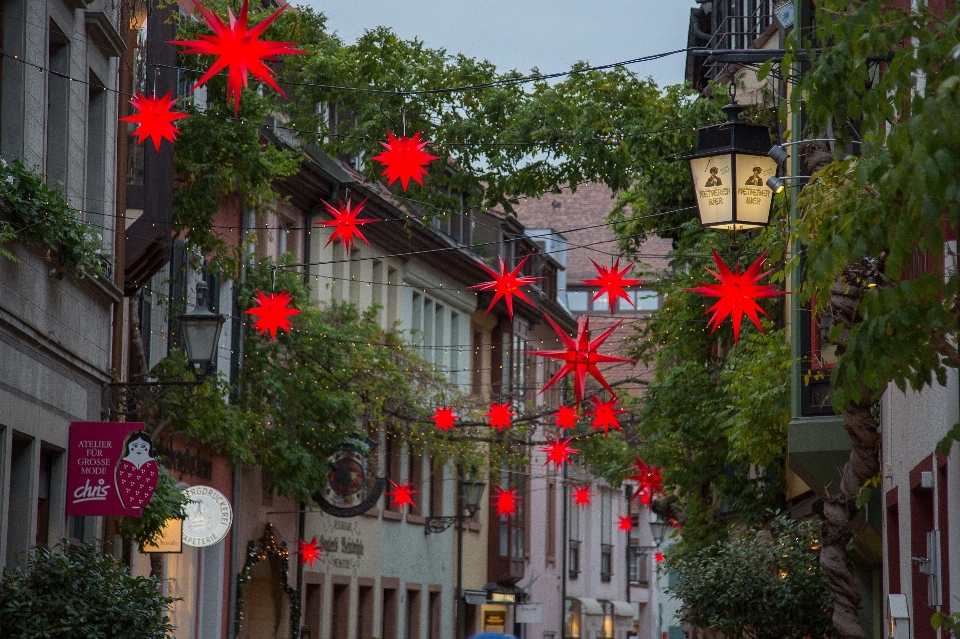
658,557
154,119
580,357
309,551
611,281
581,496
558,451
506,284
648,479
605,414
404,159
273,312
566,417
626,522
506,501
239,50
500,416
444,418
402,494
737,293
345,223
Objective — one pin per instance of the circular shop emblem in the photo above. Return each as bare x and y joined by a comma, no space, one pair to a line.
209,516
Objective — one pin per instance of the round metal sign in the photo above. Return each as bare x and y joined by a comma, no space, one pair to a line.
209,516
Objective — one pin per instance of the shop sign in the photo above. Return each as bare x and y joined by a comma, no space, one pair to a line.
170,538
209,516
495,620
503,597
529,613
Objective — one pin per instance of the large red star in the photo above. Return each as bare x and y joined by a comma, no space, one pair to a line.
404,159
402,495
580,357
581,496
239,50
506,501
309,551
500,416
648,479
345,223
506,284
558,451
566,417
272,312
605,414
737,294
154,119
444,419
658,557
611,281
626,522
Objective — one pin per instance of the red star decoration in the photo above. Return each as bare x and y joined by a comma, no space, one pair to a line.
581,496
154,119
345,223
506,284
500,416
737,294
506,501
580,357
559,451
566,417
605,414
611,281
239,50
658,556
309,551
402,495
649,480
626,522
272,312
404,159
444,419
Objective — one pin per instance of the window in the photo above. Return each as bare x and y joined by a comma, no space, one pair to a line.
571,626
551,541
94,203
339,620
642,301
573,562
392,455
578,300
607,628
637,568
415,475
364,612
436,489
606,562
433,615
413,615
388,615
58,105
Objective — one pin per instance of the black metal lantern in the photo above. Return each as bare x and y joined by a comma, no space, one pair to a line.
730,169
201,331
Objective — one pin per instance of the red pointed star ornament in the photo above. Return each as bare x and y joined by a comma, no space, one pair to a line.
626,523
402,494
506,284
239,50
580,357
404,159
345,223
611,281
558,451
648,479
273,312
505,501
154,119
566,417
737,293
309,551
444,418
581,496
500,416
605,414
658,557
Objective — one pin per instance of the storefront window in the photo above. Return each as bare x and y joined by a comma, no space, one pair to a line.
571,628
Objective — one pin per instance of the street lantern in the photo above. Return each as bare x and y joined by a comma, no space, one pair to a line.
730,169
471,492
201,331
659,528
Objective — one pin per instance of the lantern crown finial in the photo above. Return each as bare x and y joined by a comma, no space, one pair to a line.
733,111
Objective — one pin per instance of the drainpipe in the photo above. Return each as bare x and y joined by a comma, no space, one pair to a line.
563,562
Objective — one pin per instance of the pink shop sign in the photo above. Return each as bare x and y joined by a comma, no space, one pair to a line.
111,470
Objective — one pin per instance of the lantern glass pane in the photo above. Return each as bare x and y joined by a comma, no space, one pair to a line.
711,183
201,338
753,194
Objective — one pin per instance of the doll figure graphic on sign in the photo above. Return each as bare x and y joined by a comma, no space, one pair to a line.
137,472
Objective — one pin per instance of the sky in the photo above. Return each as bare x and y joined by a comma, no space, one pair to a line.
522,34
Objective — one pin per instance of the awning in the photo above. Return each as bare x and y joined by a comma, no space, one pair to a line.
589,606
475,597
624,609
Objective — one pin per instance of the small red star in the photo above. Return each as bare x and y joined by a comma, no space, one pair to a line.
605,414
272,312
566,417
506,284
580,357
626,522
738,294
649,480
506,501
559,451
402,495
500,416
611,281
238,50
444,419
404,159
345,224
309,551
581,496
154,119
658,556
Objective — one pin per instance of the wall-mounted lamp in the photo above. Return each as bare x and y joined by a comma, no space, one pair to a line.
779,154
776,184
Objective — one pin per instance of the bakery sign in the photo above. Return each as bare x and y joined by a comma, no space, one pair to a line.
111,469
